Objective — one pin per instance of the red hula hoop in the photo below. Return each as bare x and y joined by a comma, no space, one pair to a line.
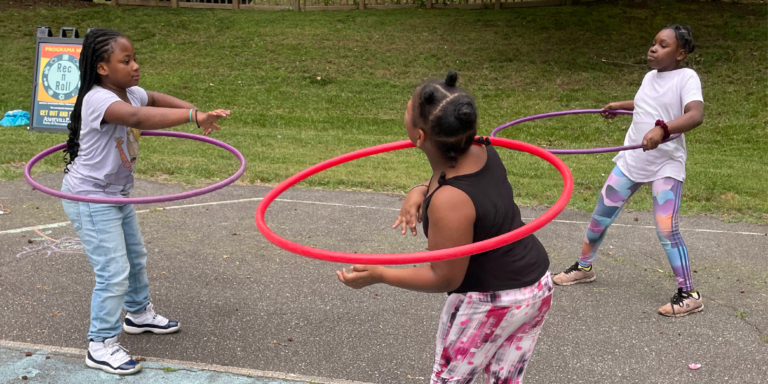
413,257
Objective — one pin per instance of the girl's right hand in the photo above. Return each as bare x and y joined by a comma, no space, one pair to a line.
606,110
208,120
360,276
410,213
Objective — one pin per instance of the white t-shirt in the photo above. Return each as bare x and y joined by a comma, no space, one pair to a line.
663,95
104,165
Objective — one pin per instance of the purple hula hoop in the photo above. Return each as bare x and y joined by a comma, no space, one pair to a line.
139,200
577,151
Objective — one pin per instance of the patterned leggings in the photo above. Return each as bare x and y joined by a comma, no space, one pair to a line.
666,202
494,332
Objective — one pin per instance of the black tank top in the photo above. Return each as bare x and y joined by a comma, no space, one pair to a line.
512,266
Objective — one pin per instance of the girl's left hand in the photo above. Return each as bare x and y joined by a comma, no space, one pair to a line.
208,120
653,138
410,213
360,276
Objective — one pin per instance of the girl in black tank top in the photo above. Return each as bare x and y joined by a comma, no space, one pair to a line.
516,265
497,299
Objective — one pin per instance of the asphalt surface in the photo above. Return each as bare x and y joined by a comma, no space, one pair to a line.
245,303
35,365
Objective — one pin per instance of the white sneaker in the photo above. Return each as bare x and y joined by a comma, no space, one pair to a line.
110,357
149,321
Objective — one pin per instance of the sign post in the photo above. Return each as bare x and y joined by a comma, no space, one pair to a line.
57,79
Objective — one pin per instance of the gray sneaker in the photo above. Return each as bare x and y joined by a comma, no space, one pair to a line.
682,304
575,274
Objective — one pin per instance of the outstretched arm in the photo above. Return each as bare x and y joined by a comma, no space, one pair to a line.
161,100
452,218
149,118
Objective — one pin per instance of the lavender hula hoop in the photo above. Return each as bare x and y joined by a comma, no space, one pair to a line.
139,200
577,151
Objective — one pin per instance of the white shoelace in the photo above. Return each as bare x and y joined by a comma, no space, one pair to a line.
118,352
151,311
115,348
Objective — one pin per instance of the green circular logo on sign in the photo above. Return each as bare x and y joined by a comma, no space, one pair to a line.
61,77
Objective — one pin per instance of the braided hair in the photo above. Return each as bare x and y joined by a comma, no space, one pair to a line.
97,47
449,114
684,37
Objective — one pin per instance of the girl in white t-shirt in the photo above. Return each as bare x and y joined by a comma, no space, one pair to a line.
101,152
669,101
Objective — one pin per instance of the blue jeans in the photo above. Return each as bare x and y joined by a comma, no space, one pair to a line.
112,239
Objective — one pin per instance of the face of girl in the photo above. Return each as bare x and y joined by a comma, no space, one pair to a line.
121,70
665,54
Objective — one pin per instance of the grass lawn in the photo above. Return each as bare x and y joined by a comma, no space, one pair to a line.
307,86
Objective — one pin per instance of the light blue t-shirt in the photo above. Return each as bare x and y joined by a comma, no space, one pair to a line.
105,163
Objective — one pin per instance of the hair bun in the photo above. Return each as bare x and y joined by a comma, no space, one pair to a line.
451,78
428,95
466,112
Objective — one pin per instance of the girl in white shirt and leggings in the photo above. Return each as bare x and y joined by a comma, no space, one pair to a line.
669,101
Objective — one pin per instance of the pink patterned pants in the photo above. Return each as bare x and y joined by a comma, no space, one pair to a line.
494,332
